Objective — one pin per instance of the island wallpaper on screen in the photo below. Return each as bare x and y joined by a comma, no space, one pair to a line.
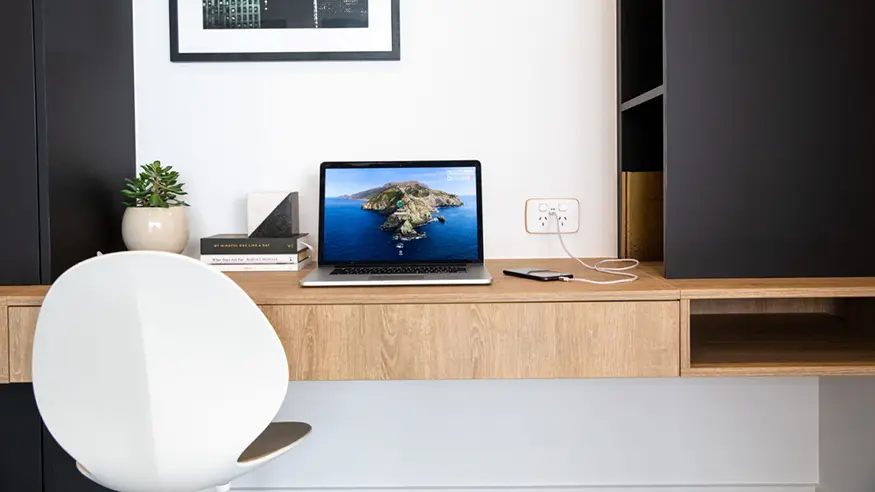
400,214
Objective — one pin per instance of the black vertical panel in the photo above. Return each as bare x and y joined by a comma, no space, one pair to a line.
87,128
19,246
20,440
770,130
59,470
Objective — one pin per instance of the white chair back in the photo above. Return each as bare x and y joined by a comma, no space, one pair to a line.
155,371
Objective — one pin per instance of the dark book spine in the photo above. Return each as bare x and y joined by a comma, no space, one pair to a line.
249,247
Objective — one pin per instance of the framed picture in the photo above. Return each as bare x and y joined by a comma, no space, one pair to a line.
278,30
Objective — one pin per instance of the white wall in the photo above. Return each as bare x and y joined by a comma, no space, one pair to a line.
847,435
550,433
528,88
528,91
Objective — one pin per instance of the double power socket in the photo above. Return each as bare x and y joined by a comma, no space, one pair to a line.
540,220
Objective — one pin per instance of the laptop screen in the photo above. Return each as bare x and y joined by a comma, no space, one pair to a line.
400,213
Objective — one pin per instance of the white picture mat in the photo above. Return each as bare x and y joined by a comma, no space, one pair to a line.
193,38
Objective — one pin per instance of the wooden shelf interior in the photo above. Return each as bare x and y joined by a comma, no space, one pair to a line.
782,336
641,216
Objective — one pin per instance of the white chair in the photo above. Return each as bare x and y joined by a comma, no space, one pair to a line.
157,373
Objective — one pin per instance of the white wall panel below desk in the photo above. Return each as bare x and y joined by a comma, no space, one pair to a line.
549,433
695,488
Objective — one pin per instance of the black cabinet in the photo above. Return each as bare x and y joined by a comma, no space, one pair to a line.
760,115
30,458
20,440
66,133
19,209
59,472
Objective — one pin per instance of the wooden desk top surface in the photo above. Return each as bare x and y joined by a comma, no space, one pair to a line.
748,288
267,288
281,288
270,288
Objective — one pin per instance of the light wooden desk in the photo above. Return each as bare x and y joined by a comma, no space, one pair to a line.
519,328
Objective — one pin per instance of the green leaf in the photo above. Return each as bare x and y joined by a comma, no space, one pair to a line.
155,185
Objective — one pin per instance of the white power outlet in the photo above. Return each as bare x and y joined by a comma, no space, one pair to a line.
540,220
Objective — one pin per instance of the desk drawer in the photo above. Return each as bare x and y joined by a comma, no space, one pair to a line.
452,341
479,341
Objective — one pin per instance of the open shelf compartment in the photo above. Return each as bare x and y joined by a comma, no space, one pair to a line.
770,337
640,25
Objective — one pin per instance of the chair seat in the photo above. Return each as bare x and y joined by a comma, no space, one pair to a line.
276,437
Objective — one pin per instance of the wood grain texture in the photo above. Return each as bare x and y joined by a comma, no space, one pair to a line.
4,343
641,215
779,370
748,288
22,325
327,342
859,313
479,341
282,288
24,295
685,334
778,344
774,306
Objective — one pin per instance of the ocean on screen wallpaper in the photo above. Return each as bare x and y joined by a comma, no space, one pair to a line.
400,214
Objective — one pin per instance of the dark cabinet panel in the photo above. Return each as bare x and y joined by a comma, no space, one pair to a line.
88,127
770,138
67,138
19,218
59,470
30,458
20,440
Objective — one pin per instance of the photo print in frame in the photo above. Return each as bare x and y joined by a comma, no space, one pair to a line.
284,30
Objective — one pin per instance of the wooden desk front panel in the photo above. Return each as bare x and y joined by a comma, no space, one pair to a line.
479,341
4,343
22,325
453,341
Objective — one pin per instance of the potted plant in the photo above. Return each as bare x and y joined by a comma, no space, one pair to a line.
156,218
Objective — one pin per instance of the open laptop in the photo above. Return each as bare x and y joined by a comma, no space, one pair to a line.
400,223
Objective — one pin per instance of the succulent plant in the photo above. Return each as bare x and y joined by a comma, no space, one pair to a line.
155,186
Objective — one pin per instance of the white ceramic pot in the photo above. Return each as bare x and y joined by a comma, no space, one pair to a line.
155,229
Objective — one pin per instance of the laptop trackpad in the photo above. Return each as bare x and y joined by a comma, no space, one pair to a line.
395,277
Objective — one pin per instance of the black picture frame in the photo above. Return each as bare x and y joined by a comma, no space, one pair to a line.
393,55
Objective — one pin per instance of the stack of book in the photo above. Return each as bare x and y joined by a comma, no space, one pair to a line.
241,253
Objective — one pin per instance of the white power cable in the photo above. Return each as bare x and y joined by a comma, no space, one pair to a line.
311,248
621,271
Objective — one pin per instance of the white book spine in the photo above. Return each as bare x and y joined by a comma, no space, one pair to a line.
250,259
287,267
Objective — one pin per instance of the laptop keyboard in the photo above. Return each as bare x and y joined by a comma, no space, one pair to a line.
399,270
